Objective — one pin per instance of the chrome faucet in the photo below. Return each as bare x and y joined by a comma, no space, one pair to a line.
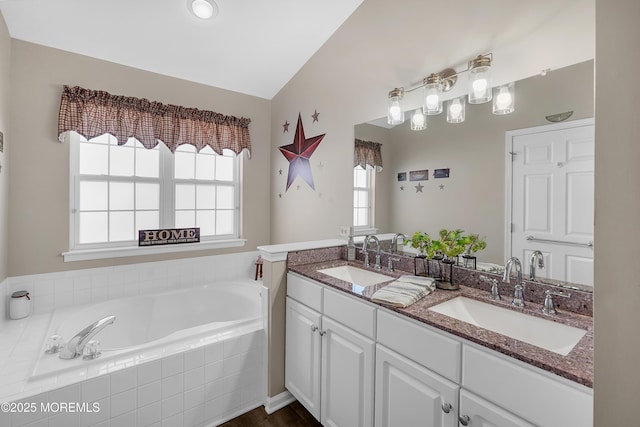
394,242
536,255
518,294
366,254
75,346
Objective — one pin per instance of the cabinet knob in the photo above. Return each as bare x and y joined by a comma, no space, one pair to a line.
322,333
446,408
314,328
464,420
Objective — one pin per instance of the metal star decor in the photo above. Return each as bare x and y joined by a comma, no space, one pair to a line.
442,186
298,154
315,115
285,127
279,171
402,188
419,188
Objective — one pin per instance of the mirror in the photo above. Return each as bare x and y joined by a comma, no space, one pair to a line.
472,198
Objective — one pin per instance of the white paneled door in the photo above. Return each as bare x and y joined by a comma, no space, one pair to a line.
552,199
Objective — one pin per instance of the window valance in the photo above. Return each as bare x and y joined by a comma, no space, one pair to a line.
92,113
367,153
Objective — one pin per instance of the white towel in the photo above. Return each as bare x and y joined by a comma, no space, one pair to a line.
490,267
404,291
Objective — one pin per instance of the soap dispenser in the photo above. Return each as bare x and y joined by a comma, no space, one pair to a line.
351,249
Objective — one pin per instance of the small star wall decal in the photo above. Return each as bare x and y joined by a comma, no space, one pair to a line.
279,171
419,188
298,154
442,186
402,188
279,195
285,127
297,187
315,115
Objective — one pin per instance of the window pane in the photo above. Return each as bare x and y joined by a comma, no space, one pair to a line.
92,227
224,222
102,139
147,220
206,196
121,196
224,168
361,217
121,226
185,219
185,196
184,161
148,162
359,177
147,196
121,160
93,196
224,199
206,220
205,166
361,199
94,159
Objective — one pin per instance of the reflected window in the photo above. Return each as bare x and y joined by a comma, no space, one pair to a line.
363,181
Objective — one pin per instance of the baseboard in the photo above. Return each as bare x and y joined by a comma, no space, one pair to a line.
272,404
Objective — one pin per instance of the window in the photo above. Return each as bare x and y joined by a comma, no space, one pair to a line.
363,179
118,190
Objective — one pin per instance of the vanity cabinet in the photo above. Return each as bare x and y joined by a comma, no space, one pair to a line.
477,412
329,367
408,394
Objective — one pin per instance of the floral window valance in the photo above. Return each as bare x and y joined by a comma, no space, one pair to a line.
92,113
368,153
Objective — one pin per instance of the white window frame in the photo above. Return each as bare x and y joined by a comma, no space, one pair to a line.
369,228
81,252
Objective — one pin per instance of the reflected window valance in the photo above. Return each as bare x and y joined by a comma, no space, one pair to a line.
93,113
368,153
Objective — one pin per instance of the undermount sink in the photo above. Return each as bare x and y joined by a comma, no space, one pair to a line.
355,275
552,336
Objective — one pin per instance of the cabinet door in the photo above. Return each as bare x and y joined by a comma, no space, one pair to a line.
408,394
477,412
347,377
302,355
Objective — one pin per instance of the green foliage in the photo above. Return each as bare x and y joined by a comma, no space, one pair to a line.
451,243
422,242
474,243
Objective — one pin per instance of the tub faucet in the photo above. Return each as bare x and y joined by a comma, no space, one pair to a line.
536,255
394,242
518,294
75,346
366,254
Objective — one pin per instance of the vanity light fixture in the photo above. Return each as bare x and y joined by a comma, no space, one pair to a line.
434,86
203,9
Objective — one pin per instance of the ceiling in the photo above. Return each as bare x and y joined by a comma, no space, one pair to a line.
252,46
256,46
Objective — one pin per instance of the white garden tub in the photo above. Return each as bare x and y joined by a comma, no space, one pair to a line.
155,326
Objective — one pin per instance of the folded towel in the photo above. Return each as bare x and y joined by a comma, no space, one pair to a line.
404,291
490,267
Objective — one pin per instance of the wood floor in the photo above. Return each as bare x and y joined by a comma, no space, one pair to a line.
292,415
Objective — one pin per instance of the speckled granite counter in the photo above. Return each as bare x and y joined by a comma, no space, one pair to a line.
576,366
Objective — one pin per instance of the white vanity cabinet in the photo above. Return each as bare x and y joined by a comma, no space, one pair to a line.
477,412
329,367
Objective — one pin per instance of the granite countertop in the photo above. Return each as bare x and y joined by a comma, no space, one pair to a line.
576,366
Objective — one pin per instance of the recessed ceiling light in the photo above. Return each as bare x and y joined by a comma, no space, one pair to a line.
203,9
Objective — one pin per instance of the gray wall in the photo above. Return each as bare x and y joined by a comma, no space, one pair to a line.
5,52
39,176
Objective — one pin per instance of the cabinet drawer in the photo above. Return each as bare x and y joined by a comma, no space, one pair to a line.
430,349
522,389
304,291
350,312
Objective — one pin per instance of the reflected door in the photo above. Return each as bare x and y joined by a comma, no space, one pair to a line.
552,195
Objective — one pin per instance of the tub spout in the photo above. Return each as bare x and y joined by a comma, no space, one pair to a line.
75,346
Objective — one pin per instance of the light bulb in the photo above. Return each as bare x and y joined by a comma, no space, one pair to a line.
394,112
455,109
479,87
432,102
418,120
503,100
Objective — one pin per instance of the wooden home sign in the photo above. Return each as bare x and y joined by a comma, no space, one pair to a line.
168,236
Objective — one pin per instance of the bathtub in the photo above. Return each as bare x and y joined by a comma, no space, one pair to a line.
155,326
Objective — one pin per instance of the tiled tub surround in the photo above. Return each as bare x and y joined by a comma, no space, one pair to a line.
576,366
209,380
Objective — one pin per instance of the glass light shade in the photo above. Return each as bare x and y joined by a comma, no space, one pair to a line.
432,99
456,110
418,120
204,9
479,85
395,112
504,99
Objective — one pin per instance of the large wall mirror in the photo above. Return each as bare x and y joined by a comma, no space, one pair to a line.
473,198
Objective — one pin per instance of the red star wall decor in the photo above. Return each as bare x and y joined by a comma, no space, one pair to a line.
298,154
